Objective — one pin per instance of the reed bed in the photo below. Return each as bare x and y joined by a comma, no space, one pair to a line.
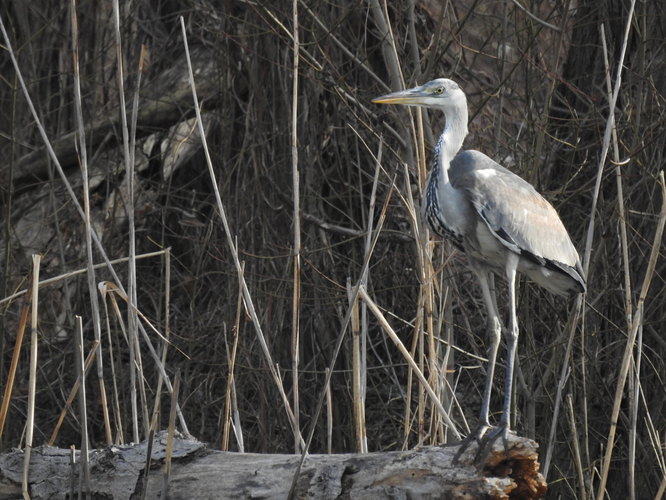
231,229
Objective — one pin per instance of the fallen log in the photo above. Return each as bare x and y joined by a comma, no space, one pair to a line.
118,472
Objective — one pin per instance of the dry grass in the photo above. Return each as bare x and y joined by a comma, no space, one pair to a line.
274,234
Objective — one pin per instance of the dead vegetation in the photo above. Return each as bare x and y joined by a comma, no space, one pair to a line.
539,78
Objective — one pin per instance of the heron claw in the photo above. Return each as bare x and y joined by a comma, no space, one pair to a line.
484,436
476,436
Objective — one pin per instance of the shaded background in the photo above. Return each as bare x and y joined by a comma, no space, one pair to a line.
535,78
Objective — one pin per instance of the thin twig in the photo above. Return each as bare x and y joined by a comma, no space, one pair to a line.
576,449
129,208
32,381
120,435
170,432
329,418
11,376
295,177
84,478
167,334
535,18
231,356
357,369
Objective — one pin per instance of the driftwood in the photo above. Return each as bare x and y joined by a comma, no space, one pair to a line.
117,472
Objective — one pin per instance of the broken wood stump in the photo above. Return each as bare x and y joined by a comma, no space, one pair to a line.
118,472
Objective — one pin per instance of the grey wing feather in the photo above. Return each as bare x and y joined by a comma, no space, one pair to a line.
514,211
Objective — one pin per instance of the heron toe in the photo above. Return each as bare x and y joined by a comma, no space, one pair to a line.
485,437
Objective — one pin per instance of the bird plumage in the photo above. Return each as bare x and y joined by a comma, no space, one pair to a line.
520,219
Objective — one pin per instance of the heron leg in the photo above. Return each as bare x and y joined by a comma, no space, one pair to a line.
503,429
511,340
493,329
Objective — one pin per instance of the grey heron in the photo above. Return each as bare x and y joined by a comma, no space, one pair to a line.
500,222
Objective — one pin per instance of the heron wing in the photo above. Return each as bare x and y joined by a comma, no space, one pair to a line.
513,210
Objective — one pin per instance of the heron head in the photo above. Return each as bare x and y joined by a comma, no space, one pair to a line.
441,93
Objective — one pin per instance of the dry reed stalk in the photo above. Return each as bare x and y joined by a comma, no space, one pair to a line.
149,454
120,435
141,381
249,304
73,392
422,263
637,321
72,478
656,441
357,370
84,477
634,403
624,253
662,489
167,333
32,381
295,177
407,414
237,426
424,324
424,246
434,375
421,390
105,411
11,376
129,208
448,383
170,432
83,159
580,476
231,359
133,379
360,330
329,418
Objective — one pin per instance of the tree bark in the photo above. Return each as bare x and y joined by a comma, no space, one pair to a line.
118,472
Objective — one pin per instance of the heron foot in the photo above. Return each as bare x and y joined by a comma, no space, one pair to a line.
485,437
476,436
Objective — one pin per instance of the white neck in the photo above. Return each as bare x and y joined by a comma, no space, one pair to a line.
452,138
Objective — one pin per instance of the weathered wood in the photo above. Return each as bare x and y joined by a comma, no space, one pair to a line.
198,472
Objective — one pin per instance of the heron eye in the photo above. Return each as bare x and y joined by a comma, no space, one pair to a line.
439,90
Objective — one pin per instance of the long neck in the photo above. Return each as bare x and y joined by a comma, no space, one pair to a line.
451,139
